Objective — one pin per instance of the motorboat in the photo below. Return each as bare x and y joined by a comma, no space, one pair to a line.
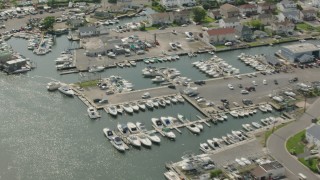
66,90
263,108
132,128
205,147
171,175
108,133
238,134
134,106
216,142
153,137
256,125
173,99
182,118
96,69
157,122
118,143
231,138
149,104
119,109
173,46
219,118
158,79
211,144
146,95
112,110
142,105
167,100
123,128
111,54
247,127
93,113
224,116
268,107
127,108
180,98
226,140
133,63
162,103
52,86
145,140
134,140
234,113
193,128
141,127
265,121
168,133
166,121
199,125
155,102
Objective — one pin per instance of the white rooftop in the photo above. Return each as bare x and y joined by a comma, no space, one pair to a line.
301,47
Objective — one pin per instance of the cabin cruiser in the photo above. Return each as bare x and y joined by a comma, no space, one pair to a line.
132,128
142,105
141,127
149,104
162,103
118,143
145,140
134,140
263,108
153,137
119,109
180,98
193,128
247,127
66,90
173,99
157,123
96,69
238,134
127,108
93,113
108,133
123,129
168,133
112,110
155,102
256,125
166,121
205,147
167,100
134,106
234,113
52,86
268,107
146,95
182,118
158,79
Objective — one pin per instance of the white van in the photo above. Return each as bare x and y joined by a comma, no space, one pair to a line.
302,176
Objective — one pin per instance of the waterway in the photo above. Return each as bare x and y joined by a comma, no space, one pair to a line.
46,135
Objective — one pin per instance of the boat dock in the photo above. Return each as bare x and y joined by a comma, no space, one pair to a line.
69,72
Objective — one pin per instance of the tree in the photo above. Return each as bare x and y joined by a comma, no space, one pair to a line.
256,24
206,6
199,14
299,7
112,1
48,22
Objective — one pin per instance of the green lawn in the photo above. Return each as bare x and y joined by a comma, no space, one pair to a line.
307,27
208,20
88,83
310,163
220,46
295,144
151,28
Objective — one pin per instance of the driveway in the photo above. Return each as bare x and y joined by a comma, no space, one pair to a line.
276,143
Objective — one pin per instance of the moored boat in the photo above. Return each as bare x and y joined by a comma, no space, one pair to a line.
66,90
93,113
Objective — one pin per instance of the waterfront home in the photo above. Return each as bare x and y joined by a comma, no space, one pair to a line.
103,15
75,23
182,16
248,9
228,11
229,22
88,31
13,65
215,14
313,135
309,15
164,18
284,27
265,19
286,4
297,52
177,3
244,33
268,170
266,8
292,15
220,35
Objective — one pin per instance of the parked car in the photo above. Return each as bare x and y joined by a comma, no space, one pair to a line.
244,92
275,82
200,82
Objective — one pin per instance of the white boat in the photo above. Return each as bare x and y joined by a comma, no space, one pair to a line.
224,116
108,133
238,134
96,69
193,128
166,121
153,137
134,106
141,127
256,125
111,54
234,113
173,99
182,118
265,121
155,102
145,140
93,113
157,123
211,144
142,105
118,143
127,108
162,103
134,140
205,147
199,125
112,110
168,133
173,46
268,107
149,104
146,95
170,175
119,109
247,127
132,128
133,63
66,90
263,108
123,129
245,160
180,98
227,140
167,100
52,86
158,79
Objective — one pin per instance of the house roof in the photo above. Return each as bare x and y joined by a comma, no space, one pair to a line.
220,31
229,8
241,28
87,29
264,16
266,4
293,13
231,20
314,131
248,6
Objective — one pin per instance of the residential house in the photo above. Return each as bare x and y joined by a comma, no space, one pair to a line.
75,23
244,33
177,3
266,8
313,135
229,22
286,5
268,171
309,14
160,18
284,27
88,31
181,17
220,35
103,15
248,9
228,11
266,19
292,15
215,14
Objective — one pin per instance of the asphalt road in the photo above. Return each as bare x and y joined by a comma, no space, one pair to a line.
276,143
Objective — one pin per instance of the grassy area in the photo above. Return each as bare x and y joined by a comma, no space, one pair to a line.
307,27
88,83
295,144
268,133
208,20
220,46
151,28
256,43
311,163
